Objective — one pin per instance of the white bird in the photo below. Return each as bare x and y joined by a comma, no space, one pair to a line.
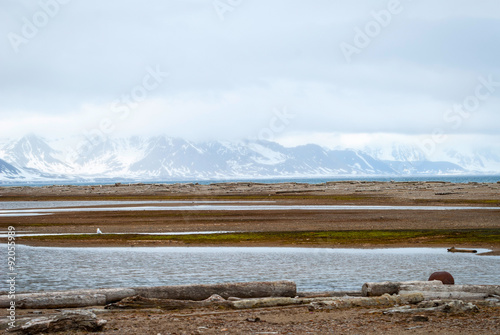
99,231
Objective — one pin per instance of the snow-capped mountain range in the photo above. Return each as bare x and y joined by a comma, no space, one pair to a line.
33,158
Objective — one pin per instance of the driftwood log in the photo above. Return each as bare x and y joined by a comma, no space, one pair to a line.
430,295
65,322
456,306
453,249
381,288
487,289
36,300
138,302
329,294
385,300
67,299
330,302
265,302
102,297
202,292
464,292
169,304
431,289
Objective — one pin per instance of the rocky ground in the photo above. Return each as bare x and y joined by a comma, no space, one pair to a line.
396,191
294,320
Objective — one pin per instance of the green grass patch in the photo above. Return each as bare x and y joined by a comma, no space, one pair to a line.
362,237
493,202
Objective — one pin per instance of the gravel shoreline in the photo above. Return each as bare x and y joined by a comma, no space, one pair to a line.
431,190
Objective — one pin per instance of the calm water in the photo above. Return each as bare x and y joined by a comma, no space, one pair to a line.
317,269
219,207
4,234
60,204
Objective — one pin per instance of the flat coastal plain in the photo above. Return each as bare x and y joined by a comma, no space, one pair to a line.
477,225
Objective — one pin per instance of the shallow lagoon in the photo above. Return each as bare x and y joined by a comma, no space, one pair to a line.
313,269
225,207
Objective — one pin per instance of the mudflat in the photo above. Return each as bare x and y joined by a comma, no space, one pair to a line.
474,226
477,226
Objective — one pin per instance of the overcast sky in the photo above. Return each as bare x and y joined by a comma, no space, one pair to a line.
337,73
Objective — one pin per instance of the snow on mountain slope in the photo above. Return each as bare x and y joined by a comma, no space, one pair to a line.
108,158
33,152
425,167
410,159
7,170
9,173
265,155
397,152
482,160
162,157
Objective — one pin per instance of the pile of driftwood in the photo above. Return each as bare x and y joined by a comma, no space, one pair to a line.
102,297
398,297
437,297
432,290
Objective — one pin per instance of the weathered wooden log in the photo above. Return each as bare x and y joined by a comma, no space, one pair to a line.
378,289
68,299
265,302
384,300
487,290
67,321
138,302
329,294
453,249
61,301
456,306
429,295
202,292
116,294
101,297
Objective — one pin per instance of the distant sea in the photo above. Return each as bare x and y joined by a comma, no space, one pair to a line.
318,180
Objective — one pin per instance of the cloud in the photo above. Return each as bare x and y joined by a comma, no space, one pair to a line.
227,77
